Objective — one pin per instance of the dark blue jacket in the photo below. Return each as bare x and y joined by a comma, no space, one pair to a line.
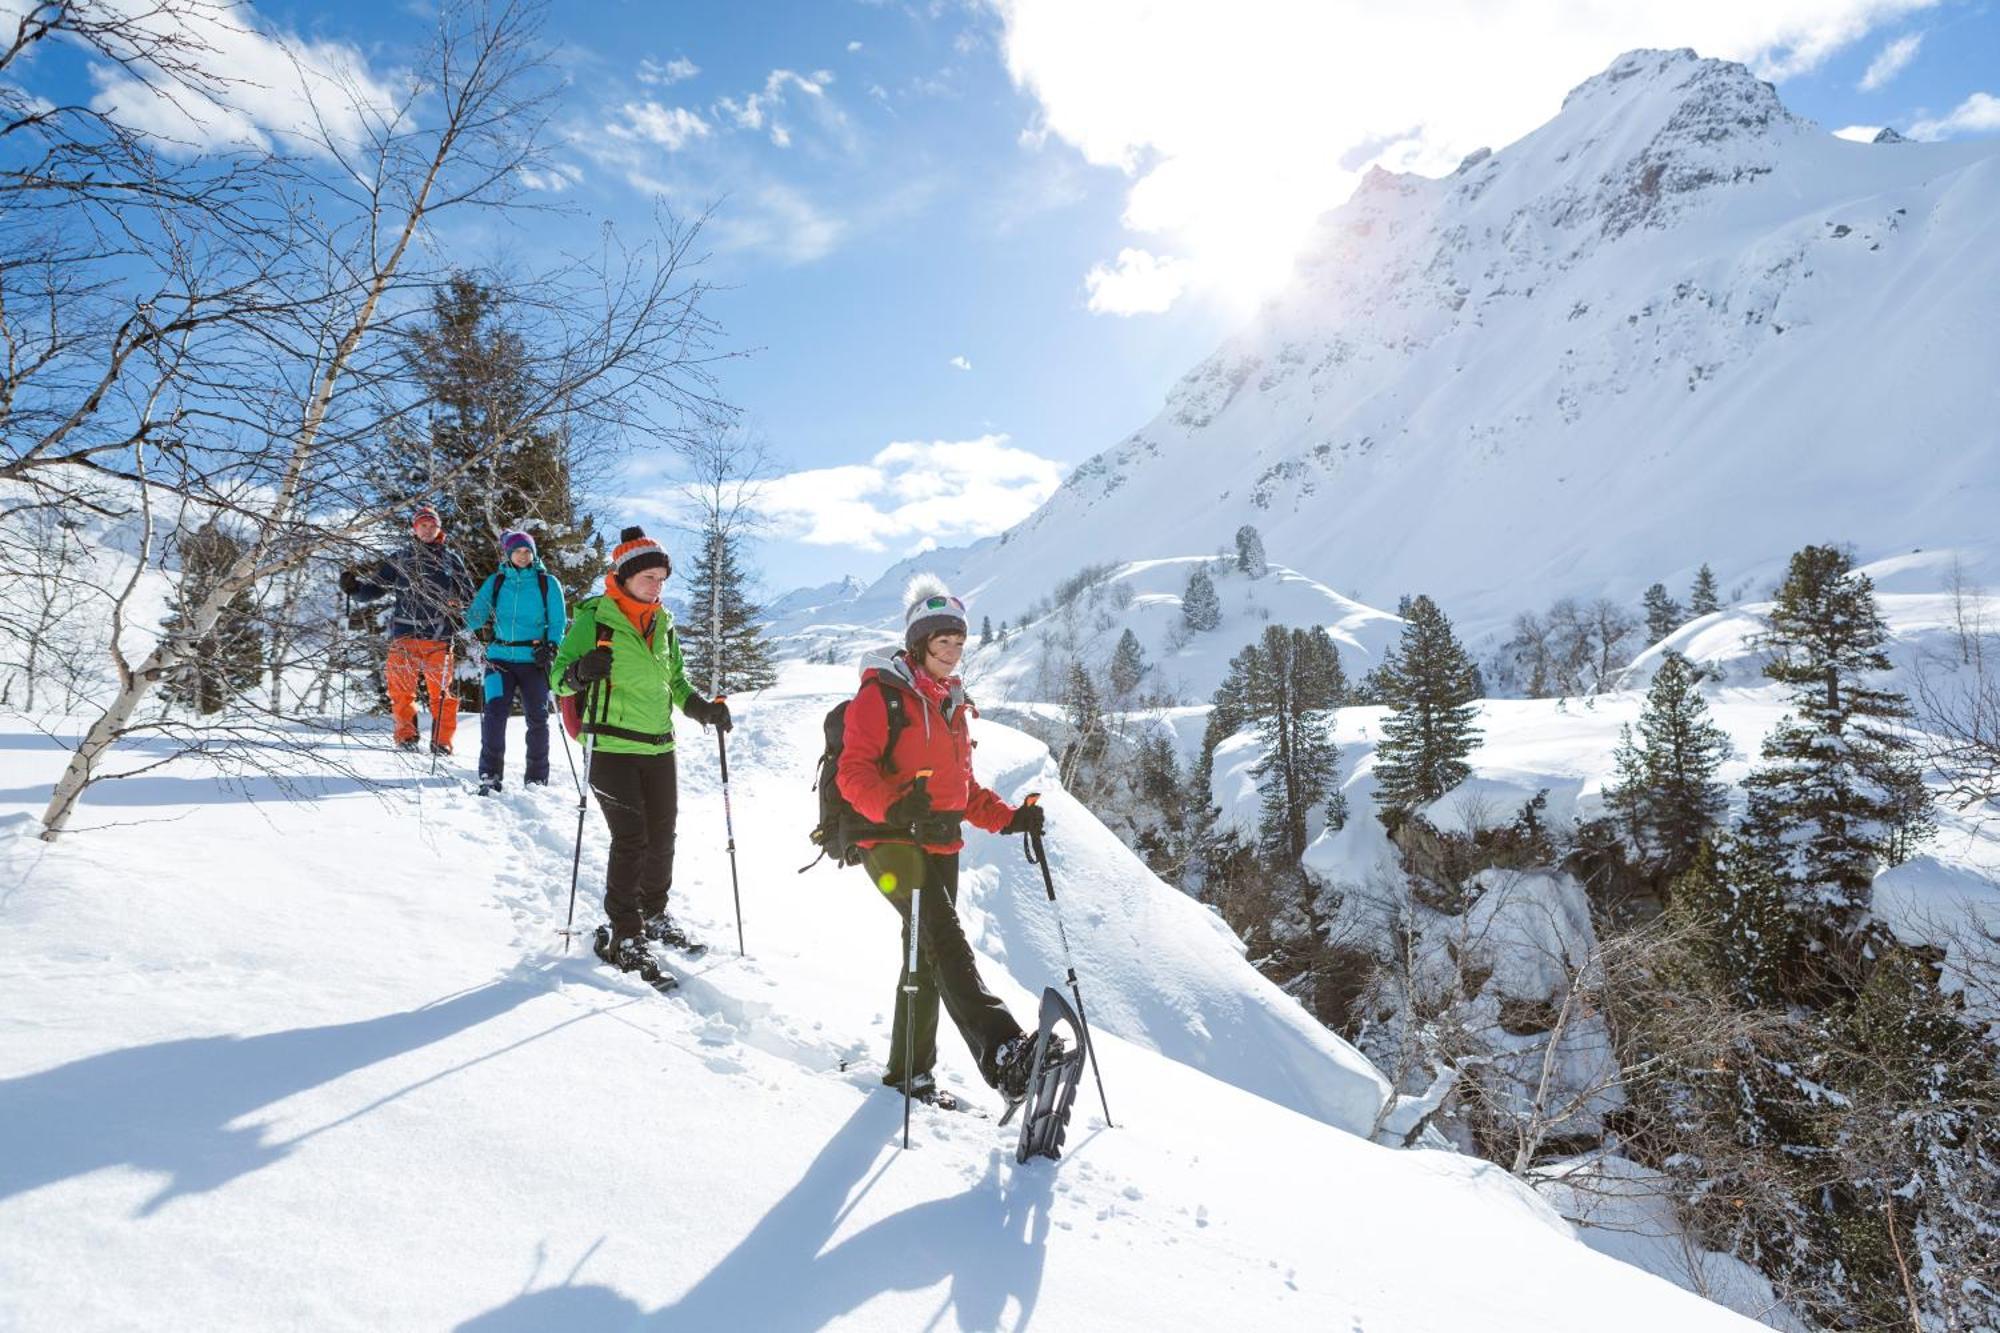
430,585
521,611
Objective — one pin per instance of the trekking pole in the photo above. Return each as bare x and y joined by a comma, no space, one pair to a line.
590,696
1039,855
729,826
340,656
910,974
910,1001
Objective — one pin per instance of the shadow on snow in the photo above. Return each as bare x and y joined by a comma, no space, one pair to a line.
988,1245
172,1107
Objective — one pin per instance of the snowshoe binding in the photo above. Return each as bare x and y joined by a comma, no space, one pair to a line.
1054,1070
631,955
663,929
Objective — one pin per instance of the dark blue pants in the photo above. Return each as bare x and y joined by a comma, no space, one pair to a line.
504,680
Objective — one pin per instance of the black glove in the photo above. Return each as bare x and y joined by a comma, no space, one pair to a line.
1027,819
709,712
912,806
545,656
484,634
349,584
592,667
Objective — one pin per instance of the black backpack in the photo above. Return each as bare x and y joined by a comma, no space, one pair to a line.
840,824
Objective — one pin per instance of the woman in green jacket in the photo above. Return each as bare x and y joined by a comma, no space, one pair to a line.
622,655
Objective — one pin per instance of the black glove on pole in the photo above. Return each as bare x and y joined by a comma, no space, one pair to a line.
728,817
1037,854
598,692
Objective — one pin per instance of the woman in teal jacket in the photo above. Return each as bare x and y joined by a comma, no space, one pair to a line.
622,655
525,607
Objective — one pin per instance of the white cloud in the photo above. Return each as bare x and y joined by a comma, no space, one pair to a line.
559,177
274,87
1891,62
853,47
777,219
1977,114
1238,125
960,363
913,495
756,110
1858,133
677,70
670,127
1142,284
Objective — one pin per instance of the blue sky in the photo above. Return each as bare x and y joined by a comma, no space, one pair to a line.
969,243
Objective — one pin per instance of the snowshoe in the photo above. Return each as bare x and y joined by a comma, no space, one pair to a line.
663,929
1055,1071
410,744
631,955
488,785
924,1088
438,747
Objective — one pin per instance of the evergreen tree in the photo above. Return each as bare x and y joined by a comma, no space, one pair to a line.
1703,600
478,457
1429,684
1666,788
1201,609
230,659
1290,701
985,630
1085,711
1733,901
1128,666
1250,552
1663,613
715,595
1839,792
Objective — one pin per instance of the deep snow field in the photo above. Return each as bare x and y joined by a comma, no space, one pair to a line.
320,1062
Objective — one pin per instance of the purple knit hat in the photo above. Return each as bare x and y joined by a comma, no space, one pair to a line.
515,539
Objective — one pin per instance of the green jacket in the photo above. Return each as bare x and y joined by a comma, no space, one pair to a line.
647,681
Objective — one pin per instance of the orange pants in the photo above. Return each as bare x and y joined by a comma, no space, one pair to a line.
430,660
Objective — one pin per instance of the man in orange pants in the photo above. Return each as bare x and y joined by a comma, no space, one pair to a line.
431,587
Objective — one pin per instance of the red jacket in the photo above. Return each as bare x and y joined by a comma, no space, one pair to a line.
934,738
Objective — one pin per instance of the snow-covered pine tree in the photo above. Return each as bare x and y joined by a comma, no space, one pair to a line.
985,630
480,458
1250,552
1429,684
1663,613
1083,705
1666,791
1840,790
229,659
1201,609
1291,698
1128,666
716,596
1703,599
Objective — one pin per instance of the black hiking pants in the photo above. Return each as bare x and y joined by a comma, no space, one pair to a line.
946,971
638,796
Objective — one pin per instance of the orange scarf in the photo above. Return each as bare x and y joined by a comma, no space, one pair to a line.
641,614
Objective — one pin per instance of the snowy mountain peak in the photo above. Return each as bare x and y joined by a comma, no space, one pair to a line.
1582,362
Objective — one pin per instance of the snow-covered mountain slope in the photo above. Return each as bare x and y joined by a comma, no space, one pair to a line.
1675,324
273,1063
1143,596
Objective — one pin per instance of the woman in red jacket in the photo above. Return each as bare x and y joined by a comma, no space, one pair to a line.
920,838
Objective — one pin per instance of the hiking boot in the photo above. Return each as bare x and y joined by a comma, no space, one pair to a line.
627,954
534,782
924,1088
488,785
1014,1064
438,747
663,929
409,744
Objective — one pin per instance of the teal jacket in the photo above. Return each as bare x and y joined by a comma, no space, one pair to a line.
648,680
525,606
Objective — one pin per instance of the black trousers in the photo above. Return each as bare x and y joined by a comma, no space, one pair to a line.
946,969
638,795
